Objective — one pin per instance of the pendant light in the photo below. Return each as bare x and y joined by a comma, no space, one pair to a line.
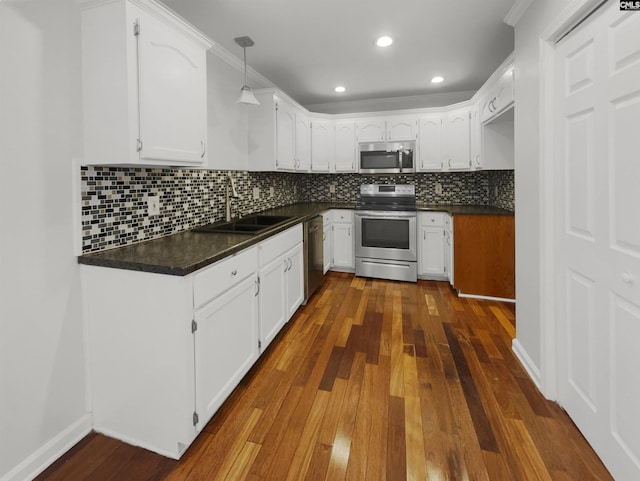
246,94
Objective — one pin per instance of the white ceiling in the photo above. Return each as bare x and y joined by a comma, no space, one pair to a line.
307,47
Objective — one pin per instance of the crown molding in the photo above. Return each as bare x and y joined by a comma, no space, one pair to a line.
513,16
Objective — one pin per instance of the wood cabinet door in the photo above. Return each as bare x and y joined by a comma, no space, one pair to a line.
172,97
226,346
484,255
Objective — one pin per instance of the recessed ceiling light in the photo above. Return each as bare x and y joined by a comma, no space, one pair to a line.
384,41
339,89
436,80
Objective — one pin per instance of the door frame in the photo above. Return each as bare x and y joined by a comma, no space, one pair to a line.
569,18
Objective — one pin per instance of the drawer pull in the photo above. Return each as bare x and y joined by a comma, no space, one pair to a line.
234,272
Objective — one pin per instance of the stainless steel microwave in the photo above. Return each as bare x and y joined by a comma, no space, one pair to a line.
383,162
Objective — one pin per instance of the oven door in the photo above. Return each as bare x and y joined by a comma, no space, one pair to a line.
386,235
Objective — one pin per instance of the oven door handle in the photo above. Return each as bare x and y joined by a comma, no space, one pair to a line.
386,215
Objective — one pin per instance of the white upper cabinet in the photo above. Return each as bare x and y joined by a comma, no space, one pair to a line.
475,138
303,142
402,128
279,134
499,97
345,146
456,140
371,130
144,86
430,144
322,145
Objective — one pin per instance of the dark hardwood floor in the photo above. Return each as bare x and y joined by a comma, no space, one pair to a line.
372,380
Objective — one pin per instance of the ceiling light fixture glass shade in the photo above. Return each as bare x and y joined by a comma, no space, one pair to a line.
246,94
384,41
436,80
340,89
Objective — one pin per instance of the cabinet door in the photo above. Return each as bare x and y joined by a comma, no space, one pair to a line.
322,148
371,130
172,102
400,129
430,144
432,261
345,147
326,248
285,137
456,137
295,280
226,346
303,143
475,139
272,299
343,255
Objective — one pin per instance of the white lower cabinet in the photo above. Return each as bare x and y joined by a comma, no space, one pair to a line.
281,279
431,245
327,247
225,336
166,355
343,241
448,247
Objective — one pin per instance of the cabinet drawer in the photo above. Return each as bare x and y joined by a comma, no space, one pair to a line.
212,281
342,215
326,218
435,219
279,244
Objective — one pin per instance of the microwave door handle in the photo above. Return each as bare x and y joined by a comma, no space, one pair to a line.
400,161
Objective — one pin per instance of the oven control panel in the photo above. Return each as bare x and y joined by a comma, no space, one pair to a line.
388,189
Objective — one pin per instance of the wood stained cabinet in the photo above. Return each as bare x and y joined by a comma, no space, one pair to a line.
484,255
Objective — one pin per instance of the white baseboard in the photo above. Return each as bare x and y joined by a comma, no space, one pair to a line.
51,451
527,363
487,298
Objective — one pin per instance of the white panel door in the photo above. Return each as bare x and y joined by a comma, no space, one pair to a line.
343,249
295,280
432,251
598,233
456,141
345,144
322,148
430,144
226,346
285,137
272,299
172,93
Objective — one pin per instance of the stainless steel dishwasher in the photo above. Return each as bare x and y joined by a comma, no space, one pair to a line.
313,256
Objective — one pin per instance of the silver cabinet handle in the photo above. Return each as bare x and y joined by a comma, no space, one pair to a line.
204,149
234,272
286,266
627,278
257,287
449,162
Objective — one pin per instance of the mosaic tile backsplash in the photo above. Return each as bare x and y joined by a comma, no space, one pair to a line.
114,199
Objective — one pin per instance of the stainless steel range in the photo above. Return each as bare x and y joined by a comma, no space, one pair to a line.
386,241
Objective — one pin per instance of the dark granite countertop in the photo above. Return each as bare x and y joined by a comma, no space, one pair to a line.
185,252
464,209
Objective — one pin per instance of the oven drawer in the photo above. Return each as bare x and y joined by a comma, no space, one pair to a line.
387,269
433,219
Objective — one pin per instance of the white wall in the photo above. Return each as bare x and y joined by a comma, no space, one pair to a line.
529,256
42,358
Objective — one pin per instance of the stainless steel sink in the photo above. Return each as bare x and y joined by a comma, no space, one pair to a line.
247,225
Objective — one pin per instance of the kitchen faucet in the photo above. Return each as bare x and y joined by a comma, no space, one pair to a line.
230,184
